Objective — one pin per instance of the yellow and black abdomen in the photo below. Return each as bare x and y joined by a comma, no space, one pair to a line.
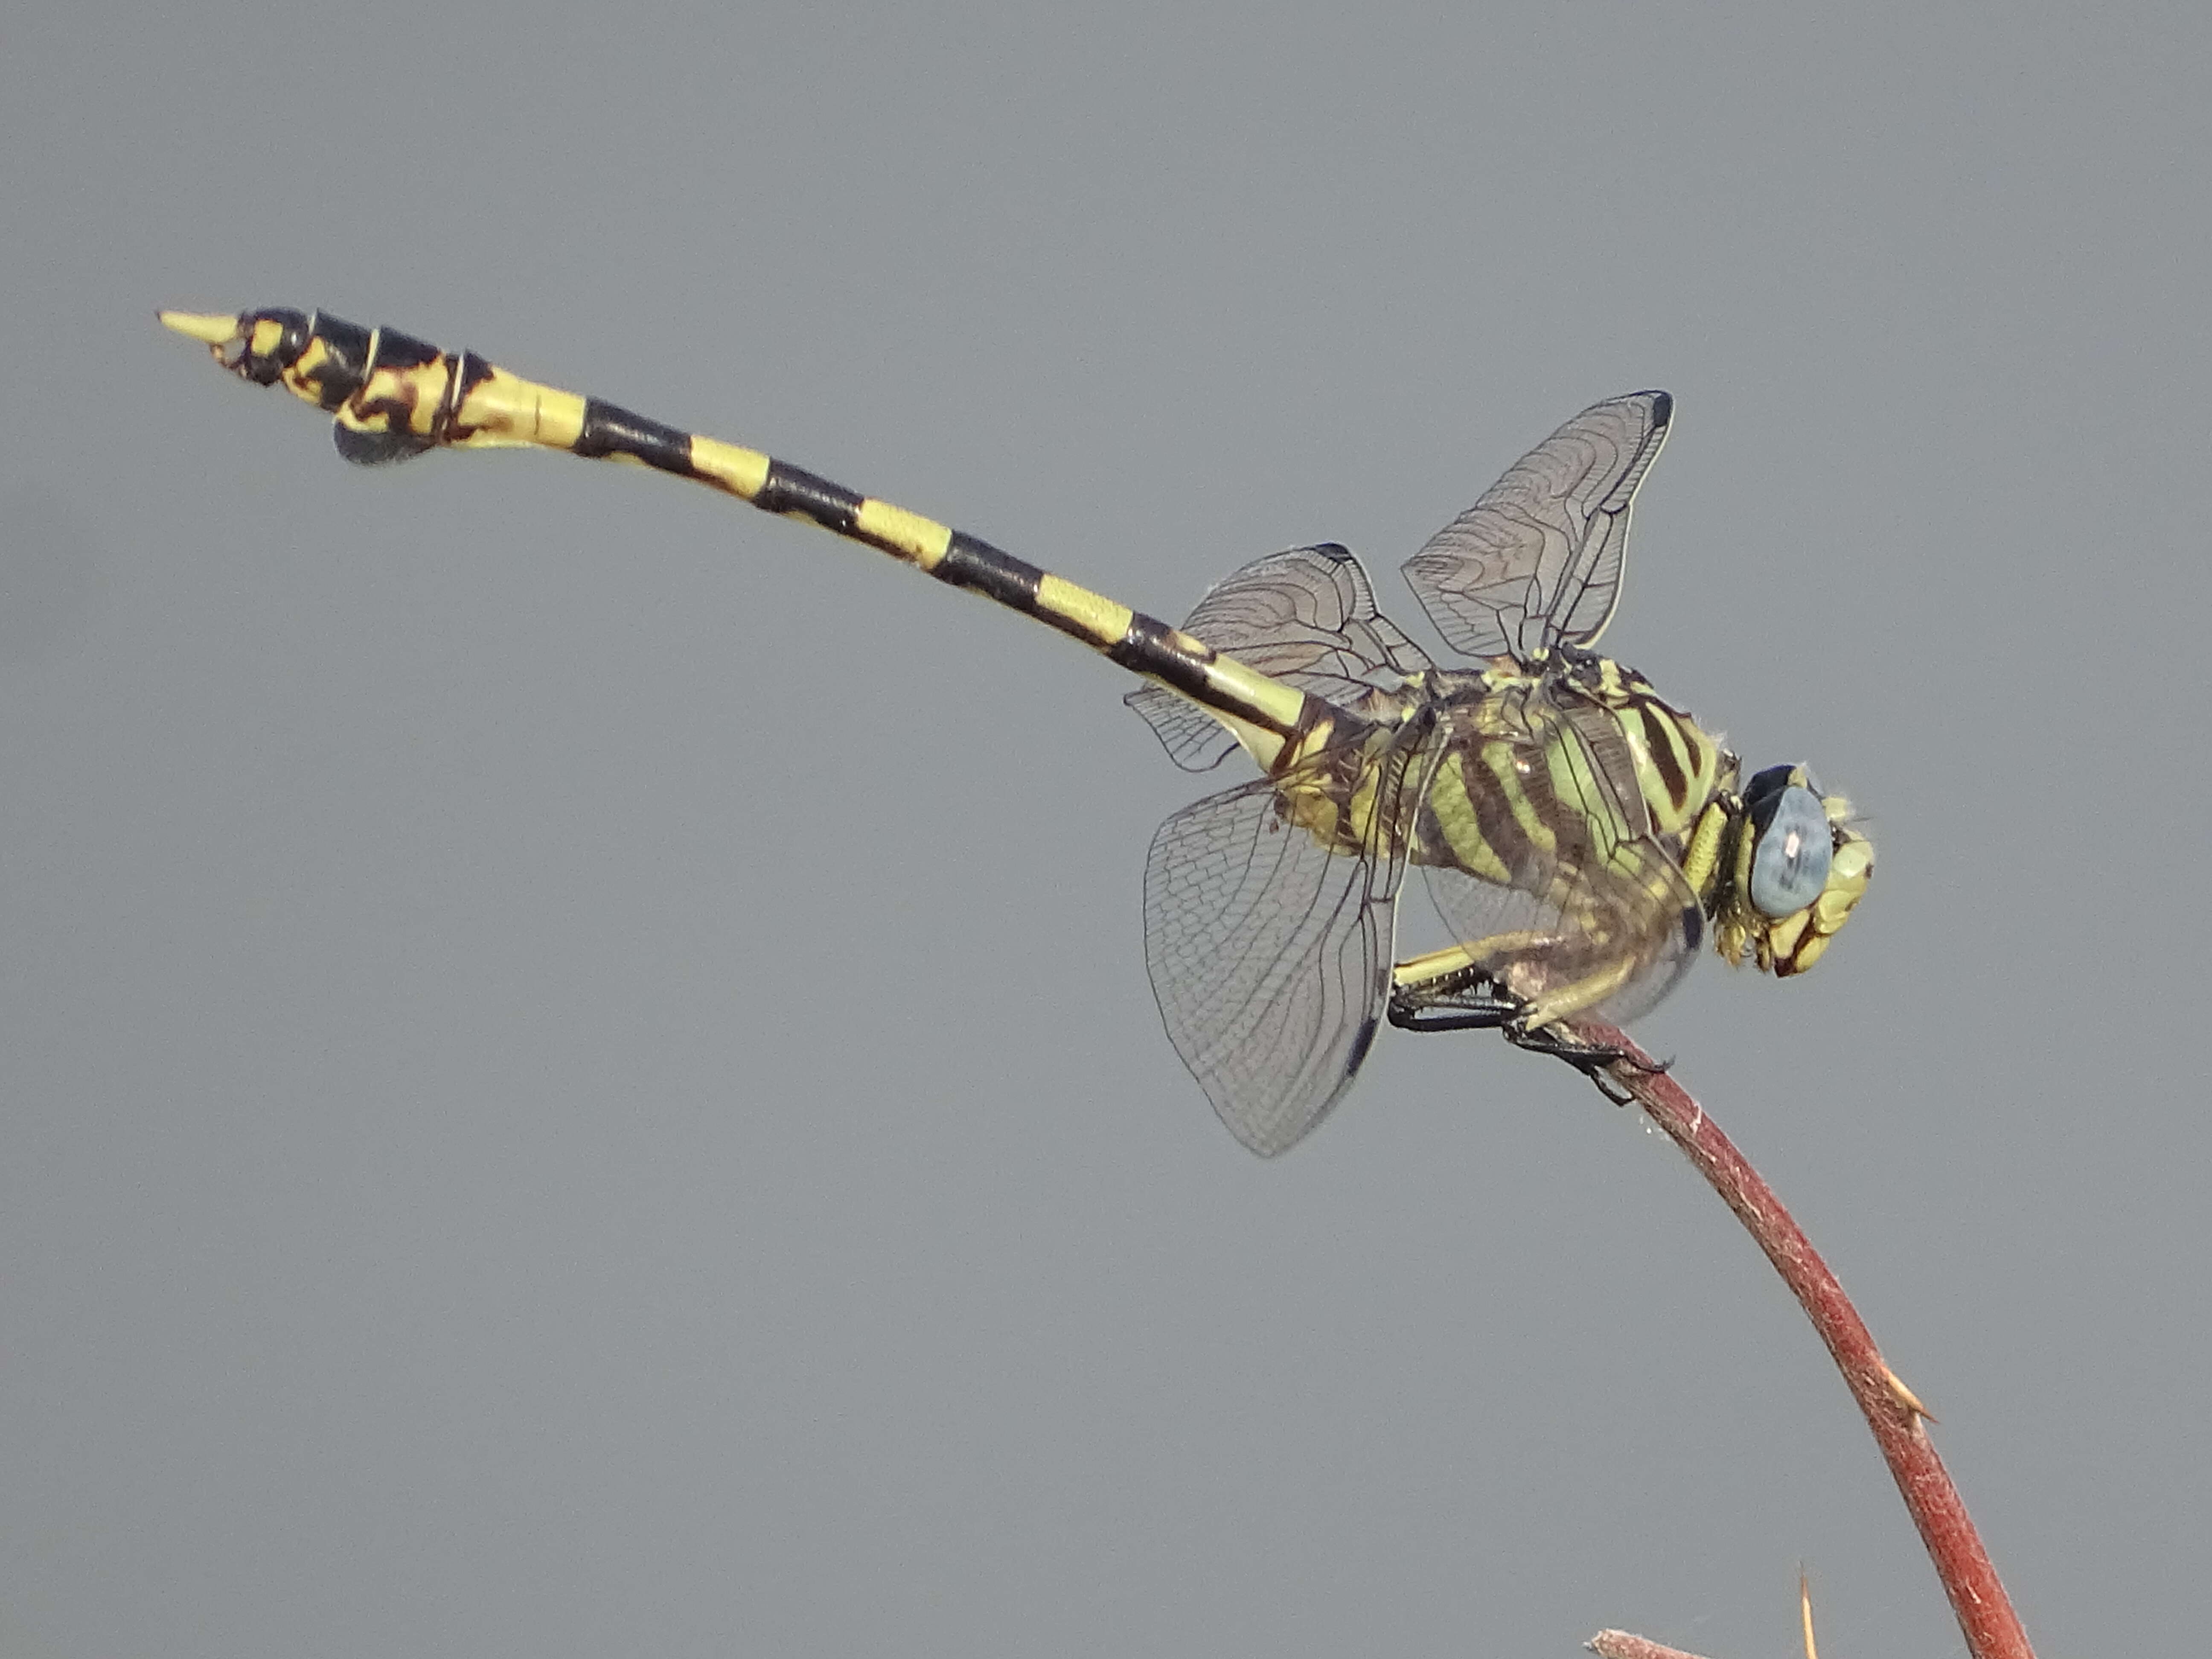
392,396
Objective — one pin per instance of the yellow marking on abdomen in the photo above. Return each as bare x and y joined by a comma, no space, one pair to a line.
1103,620
1262,745
1281,703
742,471
506,409
908,534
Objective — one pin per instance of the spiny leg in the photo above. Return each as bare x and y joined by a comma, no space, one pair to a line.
1469,999
1427,996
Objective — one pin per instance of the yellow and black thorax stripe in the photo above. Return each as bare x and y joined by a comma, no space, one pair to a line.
1678,766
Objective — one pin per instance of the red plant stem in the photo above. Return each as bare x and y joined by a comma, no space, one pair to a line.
1985,1613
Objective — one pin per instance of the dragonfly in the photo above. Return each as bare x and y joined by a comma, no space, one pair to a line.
1579,835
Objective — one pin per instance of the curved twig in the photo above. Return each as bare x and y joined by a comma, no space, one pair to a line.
1898,1421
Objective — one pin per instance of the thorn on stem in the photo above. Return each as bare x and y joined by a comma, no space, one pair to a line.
1905,1397
1621,1644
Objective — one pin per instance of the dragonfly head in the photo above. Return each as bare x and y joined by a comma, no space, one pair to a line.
1792,865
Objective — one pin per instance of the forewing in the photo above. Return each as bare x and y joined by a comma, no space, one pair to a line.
1270,955
1537,560
1576,885
1308,617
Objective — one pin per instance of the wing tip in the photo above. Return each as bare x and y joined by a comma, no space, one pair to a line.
1272,1130
1271,1141
1659,405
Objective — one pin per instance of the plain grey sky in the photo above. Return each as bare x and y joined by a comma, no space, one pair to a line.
578,1074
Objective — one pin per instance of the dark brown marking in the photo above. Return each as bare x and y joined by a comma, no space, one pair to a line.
403,351
1361,1044
609,429
345,360
466,373
982,568
1659,742
1494,820
793,489
377,448
394,406
1149,647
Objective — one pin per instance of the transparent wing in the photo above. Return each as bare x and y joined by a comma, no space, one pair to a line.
1577,892
1537,560
1269,951
1308,617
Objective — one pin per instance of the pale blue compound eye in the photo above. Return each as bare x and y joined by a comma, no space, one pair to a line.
1790,864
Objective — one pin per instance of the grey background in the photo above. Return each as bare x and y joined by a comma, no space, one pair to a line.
578,1072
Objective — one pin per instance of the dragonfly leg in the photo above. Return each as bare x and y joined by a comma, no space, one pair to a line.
1432,996
1480,1007
1473,1001
1595,1060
